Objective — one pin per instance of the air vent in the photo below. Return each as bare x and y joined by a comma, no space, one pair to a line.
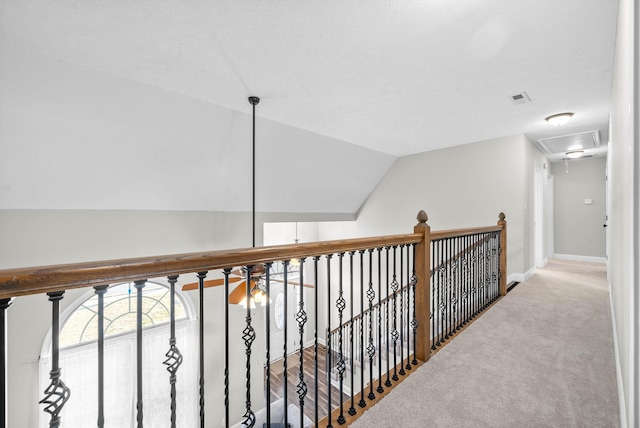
567,143
520,98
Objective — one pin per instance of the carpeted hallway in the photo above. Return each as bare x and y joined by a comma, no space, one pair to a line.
541,357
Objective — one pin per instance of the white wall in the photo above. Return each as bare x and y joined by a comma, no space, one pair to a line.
578,227
462,186
623,169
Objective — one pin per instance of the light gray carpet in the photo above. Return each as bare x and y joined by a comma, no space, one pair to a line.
540,357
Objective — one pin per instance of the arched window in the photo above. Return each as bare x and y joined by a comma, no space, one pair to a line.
79,355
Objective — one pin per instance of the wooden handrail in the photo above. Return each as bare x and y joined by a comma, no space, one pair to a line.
460,253
453,233
47,279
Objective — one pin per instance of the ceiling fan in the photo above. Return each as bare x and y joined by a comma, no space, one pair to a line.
258,275
259,272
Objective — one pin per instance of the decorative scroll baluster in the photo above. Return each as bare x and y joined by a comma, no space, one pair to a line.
316,285
249,335
329,359
414,321
386,309
340,366
352,409
380,303
57,393
371,349
465,280
442,284
496,259
174,357
4,305
362,403
394,331
226,273
487,272
401,371
201,277
100,290
139,286
301,318
455,297
434,294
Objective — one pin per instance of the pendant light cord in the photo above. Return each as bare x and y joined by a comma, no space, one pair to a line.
254,101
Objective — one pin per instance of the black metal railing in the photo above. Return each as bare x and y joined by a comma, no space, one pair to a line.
377,300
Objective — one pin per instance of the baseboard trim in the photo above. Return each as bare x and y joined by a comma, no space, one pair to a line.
575,258
521,277
616,352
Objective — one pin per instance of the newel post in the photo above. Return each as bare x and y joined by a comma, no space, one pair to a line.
423,288
503,254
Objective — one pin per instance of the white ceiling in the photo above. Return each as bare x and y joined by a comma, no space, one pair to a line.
392,77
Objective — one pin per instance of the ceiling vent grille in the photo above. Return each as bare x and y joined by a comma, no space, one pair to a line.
571,142
520,98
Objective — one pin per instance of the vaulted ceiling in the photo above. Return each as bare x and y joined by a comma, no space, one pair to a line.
143,105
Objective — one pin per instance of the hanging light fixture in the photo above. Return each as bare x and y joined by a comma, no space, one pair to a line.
257,294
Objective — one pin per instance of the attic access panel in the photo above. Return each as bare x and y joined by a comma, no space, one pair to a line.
567,143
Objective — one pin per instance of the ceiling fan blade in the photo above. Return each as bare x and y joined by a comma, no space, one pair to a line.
239,292
209,283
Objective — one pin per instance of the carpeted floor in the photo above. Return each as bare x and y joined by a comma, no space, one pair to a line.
541,357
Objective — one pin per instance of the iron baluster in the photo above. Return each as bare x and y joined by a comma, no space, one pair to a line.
379,389
201,277
434,294
362,403
448,288
386,309
267,285
340,305
465,280
454,286
174,357
301,318
57,393
409,271
285,365
401,371
394,331
226,273
249,335
371,349
414,322
139,286
352,409
100,290
328,341
442,284
4,305
315,339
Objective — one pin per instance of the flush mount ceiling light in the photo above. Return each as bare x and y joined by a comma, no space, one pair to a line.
559,119
575,154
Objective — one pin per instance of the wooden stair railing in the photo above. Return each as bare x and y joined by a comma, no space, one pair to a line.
412,285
